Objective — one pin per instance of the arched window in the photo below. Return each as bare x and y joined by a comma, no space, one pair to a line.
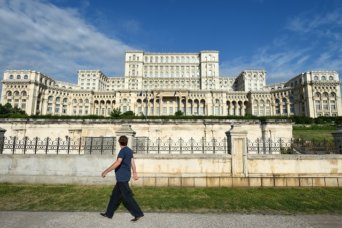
65,100
16,93
333,105
18,76
284,104
23,93
318,105
262,108
256,107
11,77
316,78
331,78
50,98
58,99
25,76
277,106
324,78
9,93
268,108
292,104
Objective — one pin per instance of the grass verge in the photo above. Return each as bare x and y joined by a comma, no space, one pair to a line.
313,134
201,200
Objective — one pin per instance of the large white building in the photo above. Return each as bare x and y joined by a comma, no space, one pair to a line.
163,83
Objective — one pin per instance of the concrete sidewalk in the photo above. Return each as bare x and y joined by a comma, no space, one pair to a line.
16,219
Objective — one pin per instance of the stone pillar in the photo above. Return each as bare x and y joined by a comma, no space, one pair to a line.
161,106
338,139
237,146
243,110
2,139
127,131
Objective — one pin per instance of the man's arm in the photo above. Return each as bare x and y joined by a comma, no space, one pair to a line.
115,165
134,169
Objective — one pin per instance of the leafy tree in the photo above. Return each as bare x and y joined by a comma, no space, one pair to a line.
179,113
115,113
7,109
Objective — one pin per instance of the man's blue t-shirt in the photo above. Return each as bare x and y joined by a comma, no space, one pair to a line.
123,172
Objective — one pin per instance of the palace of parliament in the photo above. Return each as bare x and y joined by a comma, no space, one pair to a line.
162,83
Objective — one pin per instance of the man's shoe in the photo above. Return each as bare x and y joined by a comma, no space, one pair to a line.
136,218
104,215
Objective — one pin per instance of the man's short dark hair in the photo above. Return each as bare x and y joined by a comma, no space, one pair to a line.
123,140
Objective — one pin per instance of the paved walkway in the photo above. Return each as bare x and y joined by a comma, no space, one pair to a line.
16,219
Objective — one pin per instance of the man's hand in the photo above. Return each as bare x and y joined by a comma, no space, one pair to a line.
135,176
103,174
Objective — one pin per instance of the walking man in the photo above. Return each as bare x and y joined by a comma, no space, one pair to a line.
121,191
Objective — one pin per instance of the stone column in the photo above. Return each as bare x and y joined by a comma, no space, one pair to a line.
243,111
231,109
2,139
237,145
127,131
161,105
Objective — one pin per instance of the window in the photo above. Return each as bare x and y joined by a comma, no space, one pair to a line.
331,78
25,76
277,106
292,105
333,105
318,105
18,76
325,105
11,77
324,78
315,78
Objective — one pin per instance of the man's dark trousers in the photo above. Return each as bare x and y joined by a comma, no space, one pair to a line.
122,193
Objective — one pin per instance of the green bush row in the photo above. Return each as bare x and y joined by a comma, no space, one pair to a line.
7,111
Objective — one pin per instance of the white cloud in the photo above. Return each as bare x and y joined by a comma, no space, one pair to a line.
306,23
280,66
40,36
310,42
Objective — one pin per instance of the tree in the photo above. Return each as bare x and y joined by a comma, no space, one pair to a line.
7,109
179,113
115,113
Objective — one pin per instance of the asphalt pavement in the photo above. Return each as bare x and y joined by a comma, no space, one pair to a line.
21,219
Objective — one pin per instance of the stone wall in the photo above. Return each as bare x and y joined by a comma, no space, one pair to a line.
153,129
177,170
238,168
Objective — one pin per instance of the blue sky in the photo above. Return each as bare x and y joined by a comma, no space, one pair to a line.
59,37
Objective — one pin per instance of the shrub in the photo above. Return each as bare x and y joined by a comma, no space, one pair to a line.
128,114
115,113
179,113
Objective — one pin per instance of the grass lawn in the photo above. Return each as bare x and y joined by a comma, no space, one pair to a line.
317,133
242,200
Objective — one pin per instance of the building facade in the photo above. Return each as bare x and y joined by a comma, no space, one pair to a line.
158,84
